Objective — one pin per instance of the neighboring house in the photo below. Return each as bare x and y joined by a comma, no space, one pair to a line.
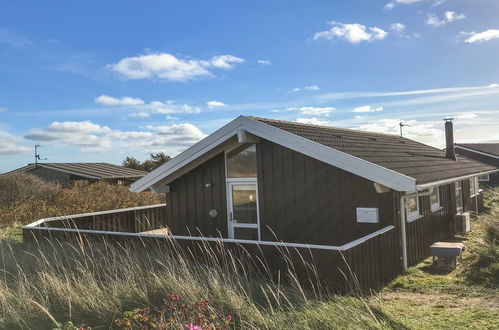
487,153
263,180
67,173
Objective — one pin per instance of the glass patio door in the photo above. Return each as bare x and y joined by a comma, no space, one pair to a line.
243,218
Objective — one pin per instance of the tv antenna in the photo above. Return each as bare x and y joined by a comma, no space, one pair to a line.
401,124
37,155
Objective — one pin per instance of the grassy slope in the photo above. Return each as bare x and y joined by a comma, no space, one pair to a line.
94,285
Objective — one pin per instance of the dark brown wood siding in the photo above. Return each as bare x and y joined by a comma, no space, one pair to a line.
433,226
193,195
304,200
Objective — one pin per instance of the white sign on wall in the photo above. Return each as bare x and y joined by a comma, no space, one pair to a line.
367,215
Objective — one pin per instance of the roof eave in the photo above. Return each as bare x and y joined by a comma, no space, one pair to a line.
451,180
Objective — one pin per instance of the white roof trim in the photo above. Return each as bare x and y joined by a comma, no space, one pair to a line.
477,152
344,161
451,180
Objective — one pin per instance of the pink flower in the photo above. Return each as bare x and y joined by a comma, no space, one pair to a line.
193,327
228,318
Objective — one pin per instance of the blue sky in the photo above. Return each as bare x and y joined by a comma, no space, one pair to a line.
101,80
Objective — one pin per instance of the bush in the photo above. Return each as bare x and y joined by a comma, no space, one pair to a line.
484,246
25,198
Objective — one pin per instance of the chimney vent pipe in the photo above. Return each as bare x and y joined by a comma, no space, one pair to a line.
449,139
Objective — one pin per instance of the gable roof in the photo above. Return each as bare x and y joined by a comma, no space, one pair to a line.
489,149
395,162
414,159
90,170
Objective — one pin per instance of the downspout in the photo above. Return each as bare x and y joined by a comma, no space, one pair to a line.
403,232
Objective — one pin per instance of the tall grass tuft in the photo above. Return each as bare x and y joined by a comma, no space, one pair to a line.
93,283
483,261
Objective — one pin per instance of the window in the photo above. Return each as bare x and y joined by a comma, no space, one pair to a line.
474,190
459,197
435,199
484,178
241,162
412,208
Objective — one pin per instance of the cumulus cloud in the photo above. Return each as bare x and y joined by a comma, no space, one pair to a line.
166,66
126,100
448,17
467,115
91,137
315,111
306,88
481,36
215,104
10,145
313,121
367,108
353,33
391,5
264,62
145,109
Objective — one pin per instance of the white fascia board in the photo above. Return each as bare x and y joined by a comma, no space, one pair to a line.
477,152
344,161
451,180
190,154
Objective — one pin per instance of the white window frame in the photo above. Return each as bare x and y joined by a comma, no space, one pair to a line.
487,176
474,183
414,215
436,206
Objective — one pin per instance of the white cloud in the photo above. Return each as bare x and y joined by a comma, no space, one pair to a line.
313,121
264,62
368,108
162,107
467,115
2,109
168,67
397,27
215,104
125,100
391,5
448,17
140,114
482,36
353,33
225,62
315,111
306,88
91,137
425,132
13,38
10,145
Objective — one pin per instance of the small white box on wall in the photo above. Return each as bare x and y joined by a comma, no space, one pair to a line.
367,215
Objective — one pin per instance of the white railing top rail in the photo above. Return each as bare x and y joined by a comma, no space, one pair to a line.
81,215
343,247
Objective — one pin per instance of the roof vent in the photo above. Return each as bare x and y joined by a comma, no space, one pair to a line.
449,139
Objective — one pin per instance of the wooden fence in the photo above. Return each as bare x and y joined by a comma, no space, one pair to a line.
365,263
130,220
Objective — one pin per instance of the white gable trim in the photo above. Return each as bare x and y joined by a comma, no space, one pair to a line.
344,161
477,152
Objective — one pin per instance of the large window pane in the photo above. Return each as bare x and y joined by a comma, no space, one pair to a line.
459,196
244,203
241,163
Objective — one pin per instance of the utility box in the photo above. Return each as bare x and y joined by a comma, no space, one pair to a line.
446,255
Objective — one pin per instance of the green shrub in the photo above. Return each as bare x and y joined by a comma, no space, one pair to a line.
24,198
